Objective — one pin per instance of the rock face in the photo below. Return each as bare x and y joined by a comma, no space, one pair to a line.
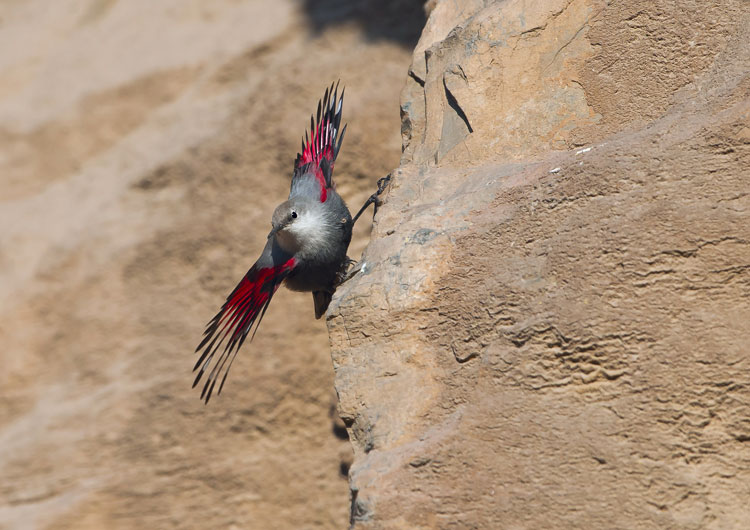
143,147
551,326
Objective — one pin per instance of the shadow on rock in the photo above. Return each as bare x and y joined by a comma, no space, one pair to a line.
397,20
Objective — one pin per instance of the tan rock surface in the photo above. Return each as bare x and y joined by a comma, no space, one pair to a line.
551,329
143,146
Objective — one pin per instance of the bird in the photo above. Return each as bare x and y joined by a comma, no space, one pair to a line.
305,250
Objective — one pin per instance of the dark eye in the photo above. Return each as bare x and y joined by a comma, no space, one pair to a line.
294,215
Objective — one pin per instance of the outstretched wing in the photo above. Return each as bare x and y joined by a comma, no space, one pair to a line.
244,307
313,167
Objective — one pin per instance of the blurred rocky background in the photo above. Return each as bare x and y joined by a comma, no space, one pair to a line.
553,325
143,147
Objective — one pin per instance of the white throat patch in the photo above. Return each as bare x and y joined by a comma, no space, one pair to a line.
306,234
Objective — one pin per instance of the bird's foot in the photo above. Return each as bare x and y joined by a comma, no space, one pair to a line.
374,198
383,184
350,270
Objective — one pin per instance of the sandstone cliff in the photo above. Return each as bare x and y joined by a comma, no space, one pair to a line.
551,327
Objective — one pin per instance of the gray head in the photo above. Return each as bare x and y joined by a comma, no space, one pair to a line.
299,225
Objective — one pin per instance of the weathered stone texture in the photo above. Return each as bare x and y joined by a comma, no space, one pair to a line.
551,329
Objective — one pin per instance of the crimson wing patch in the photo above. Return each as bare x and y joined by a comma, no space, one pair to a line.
245,306
321,147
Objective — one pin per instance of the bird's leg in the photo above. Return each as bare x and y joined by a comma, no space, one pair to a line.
352,267
373,199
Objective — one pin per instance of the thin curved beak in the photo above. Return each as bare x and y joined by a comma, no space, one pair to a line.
277,229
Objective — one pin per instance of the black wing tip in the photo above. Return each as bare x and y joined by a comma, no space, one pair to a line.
230,350
330,108
206,337
330,101
197,378
197,364
340,141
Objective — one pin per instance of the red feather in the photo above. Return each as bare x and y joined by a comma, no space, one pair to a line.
245,306
322,143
